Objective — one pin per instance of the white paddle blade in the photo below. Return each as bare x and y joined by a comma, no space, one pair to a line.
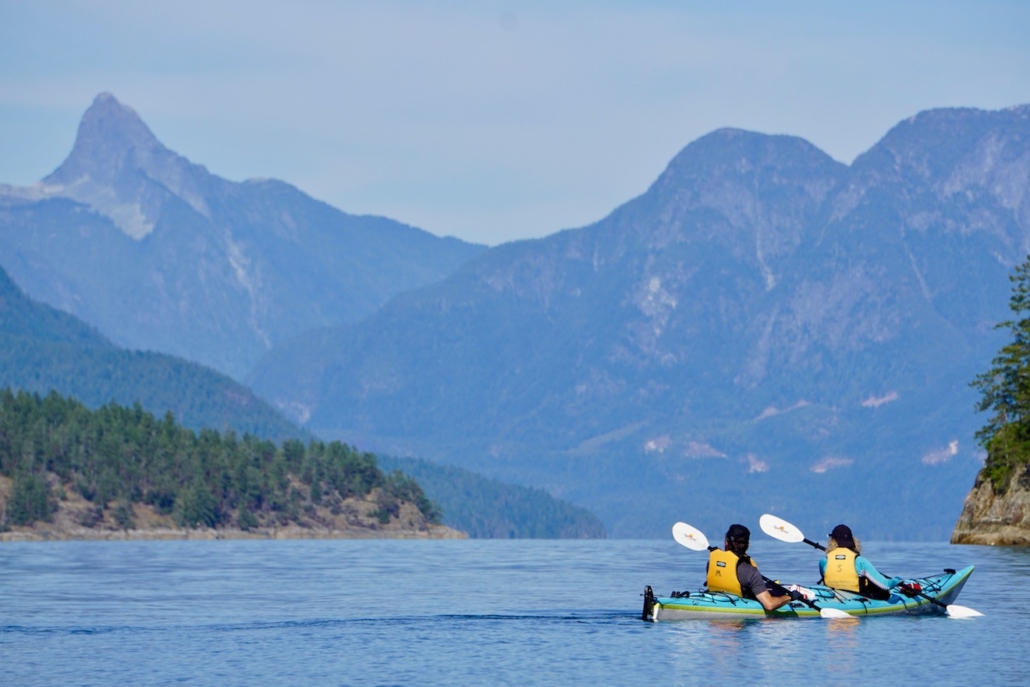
962,612
835,614
689,537
780,529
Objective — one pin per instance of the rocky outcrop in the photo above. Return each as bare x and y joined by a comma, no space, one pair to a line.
996,519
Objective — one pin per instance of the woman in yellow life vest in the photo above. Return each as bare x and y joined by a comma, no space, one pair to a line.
846,569
731,570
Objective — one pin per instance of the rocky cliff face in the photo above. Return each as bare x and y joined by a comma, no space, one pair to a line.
996,519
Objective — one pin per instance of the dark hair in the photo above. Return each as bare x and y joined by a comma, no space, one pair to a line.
738,538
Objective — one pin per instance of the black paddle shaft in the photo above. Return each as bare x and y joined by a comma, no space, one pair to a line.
786,592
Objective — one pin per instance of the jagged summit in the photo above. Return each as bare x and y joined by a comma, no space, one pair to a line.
122,171
110,136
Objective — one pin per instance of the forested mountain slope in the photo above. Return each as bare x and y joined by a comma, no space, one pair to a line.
42,349
487,509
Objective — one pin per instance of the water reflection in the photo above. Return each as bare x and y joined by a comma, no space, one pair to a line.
720,648
727,642
842,644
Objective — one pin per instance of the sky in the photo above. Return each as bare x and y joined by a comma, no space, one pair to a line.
491,121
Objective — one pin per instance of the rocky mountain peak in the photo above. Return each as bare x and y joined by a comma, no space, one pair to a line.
931,143
111,135
739,190
120,169
949,153
728,165
739,151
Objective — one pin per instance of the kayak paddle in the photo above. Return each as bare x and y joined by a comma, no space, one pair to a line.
778,528
690,537
695,540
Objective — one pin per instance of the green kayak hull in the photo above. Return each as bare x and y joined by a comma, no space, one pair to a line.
943,588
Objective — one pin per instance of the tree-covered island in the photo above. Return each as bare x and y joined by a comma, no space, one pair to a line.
70,472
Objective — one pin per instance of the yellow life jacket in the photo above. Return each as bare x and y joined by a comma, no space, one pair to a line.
722,572
840,570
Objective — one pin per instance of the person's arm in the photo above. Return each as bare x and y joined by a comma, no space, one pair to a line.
752,580
867,570
822,569
770,602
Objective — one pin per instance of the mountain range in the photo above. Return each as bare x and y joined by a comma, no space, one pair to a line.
764,329
160,254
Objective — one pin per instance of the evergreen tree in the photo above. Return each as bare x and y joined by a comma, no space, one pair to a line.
124,516
1005,389
30,500
1006,386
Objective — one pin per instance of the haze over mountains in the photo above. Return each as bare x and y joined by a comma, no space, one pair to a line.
160,254
765,329
90,230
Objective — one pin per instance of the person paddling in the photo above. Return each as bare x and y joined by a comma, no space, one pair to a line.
846,569
732,571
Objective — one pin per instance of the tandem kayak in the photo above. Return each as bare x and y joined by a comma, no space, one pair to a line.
943,589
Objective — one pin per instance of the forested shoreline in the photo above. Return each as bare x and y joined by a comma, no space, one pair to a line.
121,467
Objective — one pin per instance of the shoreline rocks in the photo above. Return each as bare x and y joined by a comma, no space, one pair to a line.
75,519
993,519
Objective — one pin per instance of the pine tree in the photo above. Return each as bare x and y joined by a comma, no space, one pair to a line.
1005,389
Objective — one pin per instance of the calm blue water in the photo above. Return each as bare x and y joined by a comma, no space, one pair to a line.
476,612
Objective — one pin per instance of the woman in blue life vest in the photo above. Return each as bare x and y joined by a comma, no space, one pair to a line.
846,569
732,571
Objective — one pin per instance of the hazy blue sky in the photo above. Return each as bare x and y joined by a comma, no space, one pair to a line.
488,120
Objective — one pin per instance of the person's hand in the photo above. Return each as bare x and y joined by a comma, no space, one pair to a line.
895,581
795,595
